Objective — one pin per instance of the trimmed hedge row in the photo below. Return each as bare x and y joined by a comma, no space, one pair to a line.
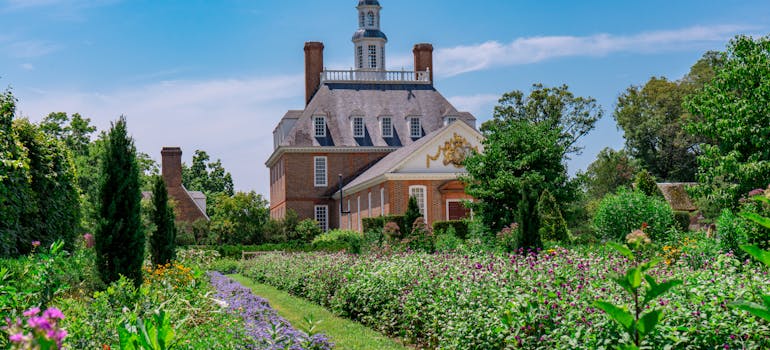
234,251
460,226
377,223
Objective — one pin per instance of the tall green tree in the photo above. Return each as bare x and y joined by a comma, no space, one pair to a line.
652,119
521,159
163,240
556,107
241,218
120,239
733,117
206,176
611,170
15,190
55,201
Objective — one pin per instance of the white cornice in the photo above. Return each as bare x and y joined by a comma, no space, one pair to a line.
324,149
399,177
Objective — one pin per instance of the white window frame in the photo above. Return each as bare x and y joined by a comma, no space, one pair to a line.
358,130
382,201
358,212
415,126
424,204
387,130
449,120
350,217
369,208
323,221
319,127
317,170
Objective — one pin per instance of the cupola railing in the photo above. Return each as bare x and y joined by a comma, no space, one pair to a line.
366,76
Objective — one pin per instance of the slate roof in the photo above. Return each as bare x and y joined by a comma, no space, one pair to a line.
338,102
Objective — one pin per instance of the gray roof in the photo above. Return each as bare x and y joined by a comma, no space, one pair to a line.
369,33
368,2
338,102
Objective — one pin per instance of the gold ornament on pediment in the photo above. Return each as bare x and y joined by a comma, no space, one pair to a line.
453,150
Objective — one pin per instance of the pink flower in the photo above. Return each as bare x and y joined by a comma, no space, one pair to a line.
32,312
16,338
89,239
53,314
35,244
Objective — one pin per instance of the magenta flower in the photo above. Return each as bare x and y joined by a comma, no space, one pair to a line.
32,312
35,244
89,239
16,338
53,314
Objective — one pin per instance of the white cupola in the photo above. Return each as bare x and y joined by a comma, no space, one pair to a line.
368,41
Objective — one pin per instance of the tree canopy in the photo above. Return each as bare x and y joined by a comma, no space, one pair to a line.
611,170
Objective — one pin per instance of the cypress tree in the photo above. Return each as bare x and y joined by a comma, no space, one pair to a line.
119,235
163,240
553,227
411,214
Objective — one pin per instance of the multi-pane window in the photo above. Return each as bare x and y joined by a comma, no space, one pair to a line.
418,192
319,125
360,53
370,19
387,127
358,127
372,56
449,120
415,129
319,171
361,19
322,216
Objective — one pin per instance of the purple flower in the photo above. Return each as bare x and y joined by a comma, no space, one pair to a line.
39,322
89,239
35,244
16,338
32,312
53,314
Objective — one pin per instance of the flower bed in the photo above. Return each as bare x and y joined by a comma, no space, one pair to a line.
453,301
268,330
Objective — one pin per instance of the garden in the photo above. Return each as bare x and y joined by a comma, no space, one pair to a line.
596,261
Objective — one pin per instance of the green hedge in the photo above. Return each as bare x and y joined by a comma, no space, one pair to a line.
460,226
234,251
338,240
377,223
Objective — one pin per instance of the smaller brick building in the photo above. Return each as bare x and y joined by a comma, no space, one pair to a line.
189,206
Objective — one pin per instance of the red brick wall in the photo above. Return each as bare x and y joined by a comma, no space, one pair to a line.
185,208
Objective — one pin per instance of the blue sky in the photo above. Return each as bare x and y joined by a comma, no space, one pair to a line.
218,75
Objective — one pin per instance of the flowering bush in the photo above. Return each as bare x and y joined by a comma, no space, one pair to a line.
268,330
457,301
37,331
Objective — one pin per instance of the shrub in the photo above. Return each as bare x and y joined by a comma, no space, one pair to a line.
618,214
411,214
459,227
336,240
421,238
645,183
553,227
378,223
163,240
446,239
392,230
509,238
307,230
682,219
732,231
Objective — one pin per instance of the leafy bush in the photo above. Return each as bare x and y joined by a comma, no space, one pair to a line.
307,230
619,214
460,227
378,222
411,214
682,219
509,238
447,240
234,251
422,238
336,240
553,227
646,184
733,231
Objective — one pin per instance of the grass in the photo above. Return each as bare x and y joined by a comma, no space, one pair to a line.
345,334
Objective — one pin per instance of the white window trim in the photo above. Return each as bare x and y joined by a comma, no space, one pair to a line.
358,213
325,224
353,125
315,171
389,132
315,130
369,208
350,217
419,126
382,201
424,199
453,119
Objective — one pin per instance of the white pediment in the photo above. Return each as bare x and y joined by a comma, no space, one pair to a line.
444,152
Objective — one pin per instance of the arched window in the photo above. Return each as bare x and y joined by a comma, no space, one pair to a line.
361,19
370,19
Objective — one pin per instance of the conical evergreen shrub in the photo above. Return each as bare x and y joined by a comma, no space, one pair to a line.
163,240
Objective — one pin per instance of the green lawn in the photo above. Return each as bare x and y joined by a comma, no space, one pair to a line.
344,333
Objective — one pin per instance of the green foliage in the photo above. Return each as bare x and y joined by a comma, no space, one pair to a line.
759,310
619,214
120,239
645,183
682,219
611,170
55,204
637,324
163,240
552,224
447,239
336,240
15,191
307,230
732,118
207,177
157,334
520,160
459,227
509,239
240,218
378,222
411,214
733,232
556,108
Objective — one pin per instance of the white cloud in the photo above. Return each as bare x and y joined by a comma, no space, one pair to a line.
467,58
480,105
231,119
27,66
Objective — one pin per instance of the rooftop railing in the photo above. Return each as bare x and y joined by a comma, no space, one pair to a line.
380,77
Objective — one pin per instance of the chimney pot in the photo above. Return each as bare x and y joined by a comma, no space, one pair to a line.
314,63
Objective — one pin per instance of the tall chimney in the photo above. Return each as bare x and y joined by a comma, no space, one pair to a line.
423,58
171,166
314,65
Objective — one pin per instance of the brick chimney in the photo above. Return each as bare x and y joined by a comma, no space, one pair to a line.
314,65
171,165
423,58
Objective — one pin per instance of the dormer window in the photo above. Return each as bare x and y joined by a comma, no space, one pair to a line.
386,123
415,129
358,126
370,19
319,126
449,120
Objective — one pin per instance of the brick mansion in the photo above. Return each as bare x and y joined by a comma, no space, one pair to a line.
368,138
